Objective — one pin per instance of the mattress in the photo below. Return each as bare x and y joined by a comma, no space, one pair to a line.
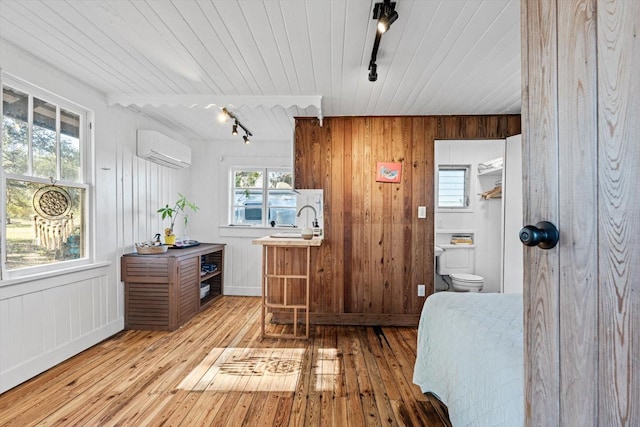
469,354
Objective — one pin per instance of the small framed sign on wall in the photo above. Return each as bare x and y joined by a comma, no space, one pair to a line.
388,171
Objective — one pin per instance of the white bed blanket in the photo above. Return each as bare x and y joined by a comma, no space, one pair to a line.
470,356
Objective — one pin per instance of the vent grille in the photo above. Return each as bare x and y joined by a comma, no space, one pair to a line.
148,305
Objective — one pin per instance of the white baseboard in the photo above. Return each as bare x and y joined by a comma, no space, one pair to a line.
242,291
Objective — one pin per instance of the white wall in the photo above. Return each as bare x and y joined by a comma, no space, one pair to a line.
484,217
212,161
45,319
513,217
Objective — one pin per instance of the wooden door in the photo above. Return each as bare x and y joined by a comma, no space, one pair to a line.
188,286
581,147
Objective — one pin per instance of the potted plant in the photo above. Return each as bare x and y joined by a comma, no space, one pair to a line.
172,212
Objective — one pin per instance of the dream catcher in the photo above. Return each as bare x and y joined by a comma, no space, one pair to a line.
53,221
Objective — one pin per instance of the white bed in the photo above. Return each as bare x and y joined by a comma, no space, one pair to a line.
469,355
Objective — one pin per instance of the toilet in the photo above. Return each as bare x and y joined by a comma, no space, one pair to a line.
464,282
458,262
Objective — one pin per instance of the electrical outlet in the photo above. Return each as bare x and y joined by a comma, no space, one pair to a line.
421,290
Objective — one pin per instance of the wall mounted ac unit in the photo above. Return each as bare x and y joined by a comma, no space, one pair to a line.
159,148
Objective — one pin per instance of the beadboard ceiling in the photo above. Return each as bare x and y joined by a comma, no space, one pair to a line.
267,61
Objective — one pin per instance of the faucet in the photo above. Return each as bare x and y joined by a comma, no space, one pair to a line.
315,215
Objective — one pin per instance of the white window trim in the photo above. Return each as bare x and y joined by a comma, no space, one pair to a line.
468,190
86,170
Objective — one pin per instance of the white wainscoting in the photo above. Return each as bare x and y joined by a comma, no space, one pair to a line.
53,318
243,260
45,320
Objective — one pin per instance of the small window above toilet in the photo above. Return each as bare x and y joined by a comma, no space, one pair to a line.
453,182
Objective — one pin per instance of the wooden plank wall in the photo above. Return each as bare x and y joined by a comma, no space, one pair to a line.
376,250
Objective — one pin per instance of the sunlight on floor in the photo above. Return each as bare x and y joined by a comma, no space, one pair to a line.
260,369
246,369
327,369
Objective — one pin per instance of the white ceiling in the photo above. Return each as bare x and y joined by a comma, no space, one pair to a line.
265,59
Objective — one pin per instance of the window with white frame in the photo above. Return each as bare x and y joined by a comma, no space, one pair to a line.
45,191
262,196
453,186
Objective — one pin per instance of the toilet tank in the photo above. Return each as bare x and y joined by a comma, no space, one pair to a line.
456,259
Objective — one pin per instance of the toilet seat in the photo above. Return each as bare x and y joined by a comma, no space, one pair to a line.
466,278
463,282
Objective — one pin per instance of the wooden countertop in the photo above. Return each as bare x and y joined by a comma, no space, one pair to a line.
200,249
287,241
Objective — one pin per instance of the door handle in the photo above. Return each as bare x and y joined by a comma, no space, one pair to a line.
544,234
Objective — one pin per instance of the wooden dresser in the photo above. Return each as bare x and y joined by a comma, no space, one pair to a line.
164,291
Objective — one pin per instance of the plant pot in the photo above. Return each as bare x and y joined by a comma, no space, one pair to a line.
170,239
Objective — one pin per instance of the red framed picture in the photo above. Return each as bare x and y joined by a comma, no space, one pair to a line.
388,171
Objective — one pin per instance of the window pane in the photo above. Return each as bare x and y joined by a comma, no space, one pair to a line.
248,197
70,146
239,216
452,191
282,206
251,213
44,139
280,180
283,216
15,137
44,224
282,198
247,206
248,179
240,197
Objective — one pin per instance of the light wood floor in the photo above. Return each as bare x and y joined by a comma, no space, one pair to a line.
216,371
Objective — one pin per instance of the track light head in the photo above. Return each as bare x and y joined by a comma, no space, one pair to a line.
246,139
223,117
373,72
234,130
386,20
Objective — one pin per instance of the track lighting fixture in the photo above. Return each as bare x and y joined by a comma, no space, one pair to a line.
225,115
386,15
385,21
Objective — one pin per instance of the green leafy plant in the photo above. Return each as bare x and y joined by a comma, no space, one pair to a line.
178,208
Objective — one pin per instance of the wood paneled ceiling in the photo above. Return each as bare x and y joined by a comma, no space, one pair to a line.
264,59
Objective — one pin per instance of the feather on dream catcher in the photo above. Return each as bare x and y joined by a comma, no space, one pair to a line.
53,221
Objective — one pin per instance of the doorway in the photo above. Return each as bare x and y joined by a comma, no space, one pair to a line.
478,203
